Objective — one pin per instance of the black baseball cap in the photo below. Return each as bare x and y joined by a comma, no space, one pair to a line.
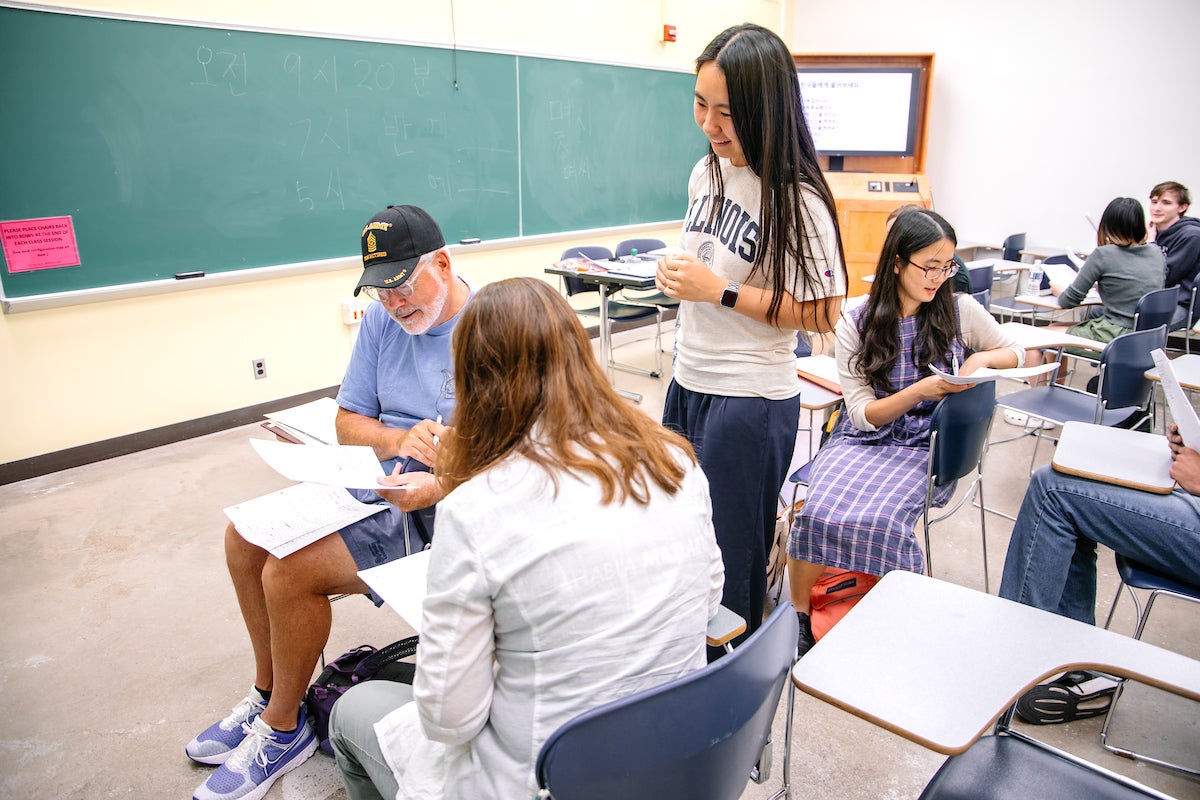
392,244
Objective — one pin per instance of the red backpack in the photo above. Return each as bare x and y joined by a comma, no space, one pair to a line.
834,594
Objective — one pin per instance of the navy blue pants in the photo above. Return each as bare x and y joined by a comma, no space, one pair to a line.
744,445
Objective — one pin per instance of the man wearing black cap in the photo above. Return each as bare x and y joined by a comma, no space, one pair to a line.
397,390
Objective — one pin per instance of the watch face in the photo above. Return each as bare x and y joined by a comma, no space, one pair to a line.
729,296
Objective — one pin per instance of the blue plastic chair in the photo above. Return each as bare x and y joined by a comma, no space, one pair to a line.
695,738
1155,308
1122,397
1135,575
654,298
958,441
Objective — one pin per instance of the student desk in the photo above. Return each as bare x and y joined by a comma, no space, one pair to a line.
1033,337
818,376
605,281
937,663
1122,457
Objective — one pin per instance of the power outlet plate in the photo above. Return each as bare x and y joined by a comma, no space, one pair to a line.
260,368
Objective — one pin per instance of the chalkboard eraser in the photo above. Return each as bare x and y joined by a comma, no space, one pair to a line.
472,240
181,276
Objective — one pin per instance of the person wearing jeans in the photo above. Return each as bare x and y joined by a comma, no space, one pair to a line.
1051,560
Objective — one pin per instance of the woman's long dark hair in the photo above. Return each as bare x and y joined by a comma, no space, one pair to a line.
768,116
937,320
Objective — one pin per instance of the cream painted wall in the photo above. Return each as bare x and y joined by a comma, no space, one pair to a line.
91,372
1041,111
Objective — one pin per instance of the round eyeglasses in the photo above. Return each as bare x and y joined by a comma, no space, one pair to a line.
405,289
937,273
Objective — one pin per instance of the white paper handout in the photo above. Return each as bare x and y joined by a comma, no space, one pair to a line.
284,521
1181,408
347,466
312,422
989,374
402,585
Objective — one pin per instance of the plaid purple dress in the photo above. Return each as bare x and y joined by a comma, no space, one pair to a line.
868,487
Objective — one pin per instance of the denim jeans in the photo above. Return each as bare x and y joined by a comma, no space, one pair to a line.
1051,561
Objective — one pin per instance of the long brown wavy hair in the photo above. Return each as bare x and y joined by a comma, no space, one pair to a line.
768,116
528,384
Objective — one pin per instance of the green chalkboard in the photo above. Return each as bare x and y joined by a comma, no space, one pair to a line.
176,148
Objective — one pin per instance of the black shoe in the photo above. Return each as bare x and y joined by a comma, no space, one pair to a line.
1078,694
806,641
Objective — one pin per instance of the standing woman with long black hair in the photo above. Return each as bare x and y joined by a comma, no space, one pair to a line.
762,259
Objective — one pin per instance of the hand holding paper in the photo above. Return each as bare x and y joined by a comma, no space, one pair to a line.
346,466
990,374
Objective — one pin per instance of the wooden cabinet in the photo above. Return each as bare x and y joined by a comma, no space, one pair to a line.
864,200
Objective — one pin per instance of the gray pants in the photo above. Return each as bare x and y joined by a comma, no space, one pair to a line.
351,731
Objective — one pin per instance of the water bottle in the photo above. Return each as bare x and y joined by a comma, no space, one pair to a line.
1034,286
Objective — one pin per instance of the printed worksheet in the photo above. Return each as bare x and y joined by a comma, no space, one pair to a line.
402,585
284,521
347,466
989,374
1181,408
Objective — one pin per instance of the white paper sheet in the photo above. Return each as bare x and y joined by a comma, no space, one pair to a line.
989,374
402,584
346,466
313,422
1181,408
284,521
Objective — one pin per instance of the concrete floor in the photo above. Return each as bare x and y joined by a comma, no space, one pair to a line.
122,637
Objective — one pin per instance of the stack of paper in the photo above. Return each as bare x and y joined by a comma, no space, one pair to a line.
311,423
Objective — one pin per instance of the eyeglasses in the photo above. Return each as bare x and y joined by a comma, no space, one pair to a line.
937,273
405,289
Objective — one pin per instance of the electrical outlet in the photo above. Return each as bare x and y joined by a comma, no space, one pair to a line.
260,368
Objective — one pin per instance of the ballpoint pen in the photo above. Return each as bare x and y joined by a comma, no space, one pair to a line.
955,365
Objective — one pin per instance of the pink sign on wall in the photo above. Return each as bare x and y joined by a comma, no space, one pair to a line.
33,244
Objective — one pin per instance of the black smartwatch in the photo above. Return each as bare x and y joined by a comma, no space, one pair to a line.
730,295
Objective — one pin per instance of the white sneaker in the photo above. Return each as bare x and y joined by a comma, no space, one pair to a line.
1023,420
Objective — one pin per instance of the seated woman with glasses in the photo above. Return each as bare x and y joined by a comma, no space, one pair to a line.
868,481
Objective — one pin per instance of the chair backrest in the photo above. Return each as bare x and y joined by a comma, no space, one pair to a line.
959,431
984,297
981,277
641,245
1155,308
696,737
1012,246
1123,364
593,251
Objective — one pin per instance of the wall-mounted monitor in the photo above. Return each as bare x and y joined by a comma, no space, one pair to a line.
861,111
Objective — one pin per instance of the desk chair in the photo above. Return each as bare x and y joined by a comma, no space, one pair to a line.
1122,396
1155,309
1135,575
698,737
958,441
617,311
635,297
981,284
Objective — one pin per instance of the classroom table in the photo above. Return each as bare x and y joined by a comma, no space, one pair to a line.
605,280
938,663
819,388
1047,337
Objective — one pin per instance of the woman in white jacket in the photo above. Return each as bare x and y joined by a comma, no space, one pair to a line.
574,563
